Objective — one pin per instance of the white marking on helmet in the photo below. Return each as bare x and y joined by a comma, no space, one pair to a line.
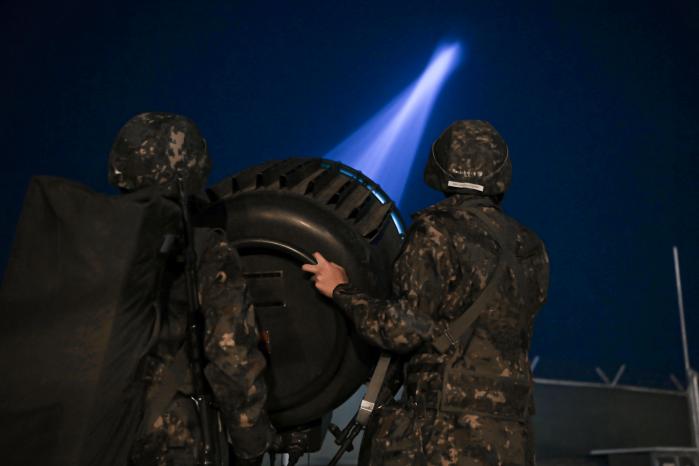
459,184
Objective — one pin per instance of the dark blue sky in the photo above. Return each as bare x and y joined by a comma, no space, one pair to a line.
598,101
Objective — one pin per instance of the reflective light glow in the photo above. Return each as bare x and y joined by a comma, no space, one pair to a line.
377,192
384,148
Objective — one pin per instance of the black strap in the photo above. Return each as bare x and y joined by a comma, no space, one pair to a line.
459,327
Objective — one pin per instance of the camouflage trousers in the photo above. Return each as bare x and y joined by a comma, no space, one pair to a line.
173,440
402,435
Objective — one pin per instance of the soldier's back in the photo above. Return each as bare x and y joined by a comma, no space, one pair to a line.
472,405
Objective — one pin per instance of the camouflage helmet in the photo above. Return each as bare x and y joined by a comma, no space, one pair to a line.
470,156
154,149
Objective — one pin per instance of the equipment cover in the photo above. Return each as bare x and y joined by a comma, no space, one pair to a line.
78,313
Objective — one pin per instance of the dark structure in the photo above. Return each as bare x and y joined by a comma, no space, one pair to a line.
278,214
576,419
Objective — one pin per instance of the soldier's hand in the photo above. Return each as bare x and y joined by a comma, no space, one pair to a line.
326,275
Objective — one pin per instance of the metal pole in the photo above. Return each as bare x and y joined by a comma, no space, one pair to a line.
692,378
680,301
693,398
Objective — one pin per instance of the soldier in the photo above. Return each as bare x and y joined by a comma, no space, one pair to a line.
467,285
153,149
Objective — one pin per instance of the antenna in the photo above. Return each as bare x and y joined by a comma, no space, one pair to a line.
692,376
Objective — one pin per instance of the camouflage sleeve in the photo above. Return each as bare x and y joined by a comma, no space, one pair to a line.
235,363
420,280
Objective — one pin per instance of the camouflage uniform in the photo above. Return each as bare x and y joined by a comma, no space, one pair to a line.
471,404
234,369
154,149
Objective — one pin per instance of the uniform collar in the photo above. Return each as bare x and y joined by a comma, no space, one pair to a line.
457,201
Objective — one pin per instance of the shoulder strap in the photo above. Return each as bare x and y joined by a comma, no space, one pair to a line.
459,327
373,390
175,372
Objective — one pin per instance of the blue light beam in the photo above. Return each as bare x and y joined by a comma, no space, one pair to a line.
384,148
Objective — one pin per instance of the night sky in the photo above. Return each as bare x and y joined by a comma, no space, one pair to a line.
598,101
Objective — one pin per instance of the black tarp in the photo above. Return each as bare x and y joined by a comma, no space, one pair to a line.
77,314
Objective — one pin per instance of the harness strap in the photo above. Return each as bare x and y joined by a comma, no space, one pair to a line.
459,327
373,389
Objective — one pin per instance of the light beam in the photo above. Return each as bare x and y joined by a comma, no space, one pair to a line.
384,148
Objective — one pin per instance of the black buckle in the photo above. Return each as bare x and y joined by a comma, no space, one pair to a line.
452,342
